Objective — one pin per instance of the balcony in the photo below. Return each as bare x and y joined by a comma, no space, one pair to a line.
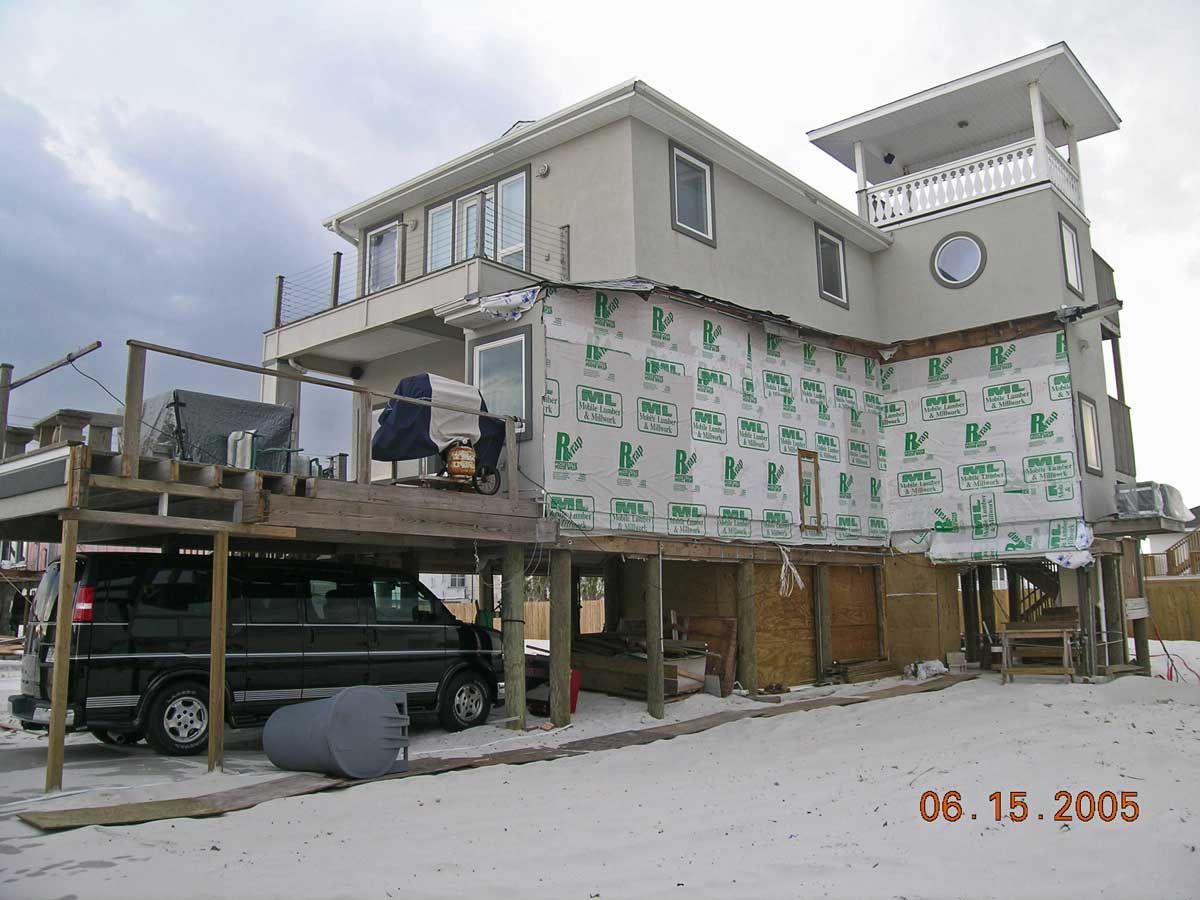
339,284
970,180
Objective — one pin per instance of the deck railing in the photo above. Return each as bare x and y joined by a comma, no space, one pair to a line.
968,180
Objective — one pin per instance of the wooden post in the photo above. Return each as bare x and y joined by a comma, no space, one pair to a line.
1087,619
216,651
510,452
481,242
365,425
970,605
881,612
512,629
560,637
6,371
1114,605
824,619
612,593
655,676
403,249
131,430
987,613
747,628
1014,594
335,278
60,679
576,602
485,603
1141,629
278,300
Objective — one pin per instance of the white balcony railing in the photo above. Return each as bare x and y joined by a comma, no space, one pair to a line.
968,180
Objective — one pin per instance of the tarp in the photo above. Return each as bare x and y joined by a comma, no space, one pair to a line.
407,431
190,425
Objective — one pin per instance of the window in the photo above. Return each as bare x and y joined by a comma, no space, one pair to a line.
692,195
1070,249
177,592
458,581
403,601
334,602
383,257
274,603
831,267
454,228
1091,435
512,221
500,367
958,260
440,237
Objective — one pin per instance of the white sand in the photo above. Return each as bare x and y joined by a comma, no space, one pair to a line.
823,803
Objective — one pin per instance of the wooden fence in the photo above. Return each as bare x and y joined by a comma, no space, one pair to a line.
537,616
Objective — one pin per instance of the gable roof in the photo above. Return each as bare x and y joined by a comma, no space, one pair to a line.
634,99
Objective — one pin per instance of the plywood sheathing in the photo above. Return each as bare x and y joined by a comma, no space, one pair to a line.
787,651
854,614
923,614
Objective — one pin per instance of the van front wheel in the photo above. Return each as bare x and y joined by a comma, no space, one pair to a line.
177,724
467,702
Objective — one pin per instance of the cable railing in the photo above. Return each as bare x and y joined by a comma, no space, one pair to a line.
402,254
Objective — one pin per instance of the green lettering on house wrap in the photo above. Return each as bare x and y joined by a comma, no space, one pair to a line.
689,519
598,406
753,434
573,510
1007,396
625,514
657,417
976,476
709,426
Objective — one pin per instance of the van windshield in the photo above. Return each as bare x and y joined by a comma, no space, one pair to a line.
47,594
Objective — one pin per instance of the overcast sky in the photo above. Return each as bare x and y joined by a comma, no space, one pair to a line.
161,162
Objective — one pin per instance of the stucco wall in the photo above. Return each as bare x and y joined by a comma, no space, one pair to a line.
1024,273
765,253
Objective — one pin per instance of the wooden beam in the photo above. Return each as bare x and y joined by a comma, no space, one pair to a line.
978,336
131,430
60,678
747,628
171,488
6,371
712,550
560,637
177,523
881,613
216,658
511,455
655,676
987,614
365,420
512,630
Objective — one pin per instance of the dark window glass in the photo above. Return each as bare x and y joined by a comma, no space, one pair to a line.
116,590
403,600
335,602
270,602
182,592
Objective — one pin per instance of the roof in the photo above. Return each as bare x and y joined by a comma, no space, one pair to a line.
634,99
923,130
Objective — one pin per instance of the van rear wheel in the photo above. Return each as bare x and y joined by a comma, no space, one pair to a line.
466,702
177,724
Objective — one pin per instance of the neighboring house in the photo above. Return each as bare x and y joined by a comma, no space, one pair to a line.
938,370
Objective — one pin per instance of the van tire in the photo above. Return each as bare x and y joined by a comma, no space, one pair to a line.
177,724
466,701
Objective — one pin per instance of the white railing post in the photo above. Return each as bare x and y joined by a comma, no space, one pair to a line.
1041,168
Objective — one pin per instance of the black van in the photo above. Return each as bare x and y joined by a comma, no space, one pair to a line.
297,631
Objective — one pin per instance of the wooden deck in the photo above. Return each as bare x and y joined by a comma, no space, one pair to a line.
172,499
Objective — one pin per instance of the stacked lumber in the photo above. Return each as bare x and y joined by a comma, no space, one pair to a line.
613,664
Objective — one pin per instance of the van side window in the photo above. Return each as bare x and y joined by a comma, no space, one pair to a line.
334,602
176,592
116,589
274,603
401,601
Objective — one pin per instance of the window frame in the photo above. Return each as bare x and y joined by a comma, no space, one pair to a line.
941,244
394,223
675,151
1084,403
491,185
512,335
818,231
1064,226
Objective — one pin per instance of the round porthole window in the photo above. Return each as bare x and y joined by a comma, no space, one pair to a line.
958,259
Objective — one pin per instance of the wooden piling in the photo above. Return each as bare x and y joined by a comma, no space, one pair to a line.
612,593
61,673
512,620
131,430
216,658
560,637
747,628
655,684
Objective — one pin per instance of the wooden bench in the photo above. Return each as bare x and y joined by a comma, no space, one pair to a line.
1037,641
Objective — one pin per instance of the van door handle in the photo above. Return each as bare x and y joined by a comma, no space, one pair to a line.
312,636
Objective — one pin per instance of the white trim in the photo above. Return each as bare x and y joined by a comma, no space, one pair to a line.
1086,404
976,204
498,206
676,152
1071,262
